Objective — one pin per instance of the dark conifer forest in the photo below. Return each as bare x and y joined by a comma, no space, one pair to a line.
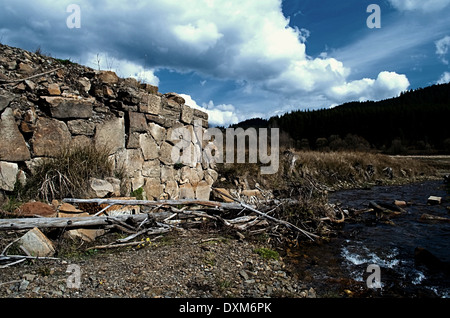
416,122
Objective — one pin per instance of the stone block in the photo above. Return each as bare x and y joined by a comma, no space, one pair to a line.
202,191
153,188
187,114
99,188
81,127
151,169
150,104
108,77
150,148
35,243
434,200
8,175
12,143
50,137
110,134
186,191
157,132
68,107
138,122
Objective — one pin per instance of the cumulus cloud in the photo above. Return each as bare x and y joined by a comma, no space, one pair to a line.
220,115
444,79
248,42
387,84
419,5
442,48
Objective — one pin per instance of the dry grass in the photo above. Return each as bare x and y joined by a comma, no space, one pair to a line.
68,173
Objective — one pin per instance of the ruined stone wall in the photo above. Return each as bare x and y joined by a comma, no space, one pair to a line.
67,104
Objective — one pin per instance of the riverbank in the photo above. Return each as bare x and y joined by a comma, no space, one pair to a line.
210,262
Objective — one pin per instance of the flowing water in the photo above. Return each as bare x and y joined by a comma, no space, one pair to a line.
339,267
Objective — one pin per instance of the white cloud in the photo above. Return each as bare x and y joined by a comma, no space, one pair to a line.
444,79
220,115
387,84
122,68
420,5
442,48
246,42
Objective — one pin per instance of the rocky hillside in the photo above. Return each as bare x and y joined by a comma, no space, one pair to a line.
48,105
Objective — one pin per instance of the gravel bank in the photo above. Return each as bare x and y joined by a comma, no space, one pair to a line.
192,264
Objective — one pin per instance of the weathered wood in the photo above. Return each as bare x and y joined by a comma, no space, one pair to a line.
68,222
213,204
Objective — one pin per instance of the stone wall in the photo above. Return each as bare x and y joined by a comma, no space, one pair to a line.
67,104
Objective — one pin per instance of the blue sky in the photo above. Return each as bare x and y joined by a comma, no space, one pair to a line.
247,58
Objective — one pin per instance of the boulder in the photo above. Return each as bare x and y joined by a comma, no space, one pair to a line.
12,143
50,137
35,243
8,175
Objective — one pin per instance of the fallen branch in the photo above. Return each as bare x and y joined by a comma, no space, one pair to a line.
265,215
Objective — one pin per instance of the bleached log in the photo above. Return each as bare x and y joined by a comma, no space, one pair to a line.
68,222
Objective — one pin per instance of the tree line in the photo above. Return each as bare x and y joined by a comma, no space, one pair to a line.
417,121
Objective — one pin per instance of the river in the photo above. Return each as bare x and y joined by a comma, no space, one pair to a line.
338,268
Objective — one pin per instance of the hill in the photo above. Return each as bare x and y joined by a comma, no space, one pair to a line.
417,121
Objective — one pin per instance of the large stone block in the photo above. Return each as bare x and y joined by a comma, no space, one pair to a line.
108,77
12,143
202,191
50,137
8,175
150,148
81,127
138,122
65,107
35,243
187,114
153,188
150,104
5,99
157,132
110,134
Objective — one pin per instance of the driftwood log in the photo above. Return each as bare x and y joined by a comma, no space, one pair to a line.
70,222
